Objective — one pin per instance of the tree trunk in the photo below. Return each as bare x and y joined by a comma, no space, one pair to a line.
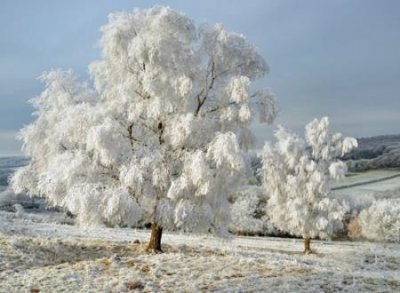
155,239
307,246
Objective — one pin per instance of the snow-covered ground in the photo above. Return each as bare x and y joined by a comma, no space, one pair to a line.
366,176
38,253
368,183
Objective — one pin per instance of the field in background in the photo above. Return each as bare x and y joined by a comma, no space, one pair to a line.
367,183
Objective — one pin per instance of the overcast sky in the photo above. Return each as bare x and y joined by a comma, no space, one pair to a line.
339,58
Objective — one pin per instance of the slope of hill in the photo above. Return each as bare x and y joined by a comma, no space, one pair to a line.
8,166
376,152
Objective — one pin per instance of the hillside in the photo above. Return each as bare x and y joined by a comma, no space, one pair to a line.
8,165
378,152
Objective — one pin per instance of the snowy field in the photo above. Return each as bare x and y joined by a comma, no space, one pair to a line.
37,254
368,183
367,176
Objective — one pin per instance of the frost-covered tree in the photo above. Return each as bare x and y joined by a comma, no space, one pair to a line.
161,135
296,175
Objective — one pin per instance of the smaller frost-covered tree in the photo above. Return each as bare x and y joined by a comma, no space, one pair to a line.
296,175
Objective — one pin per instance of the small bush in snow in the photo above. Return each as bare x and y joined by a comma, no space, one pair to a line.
243,215
381,221
19,210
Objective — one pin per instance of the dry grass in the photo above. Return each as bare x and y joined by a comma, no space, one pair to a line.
136,285
354,229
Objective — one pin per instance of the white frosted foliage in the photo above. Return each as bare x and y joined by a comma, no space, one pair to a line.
160,137
244,209
296,176
338,170
238,89
381,221
108,142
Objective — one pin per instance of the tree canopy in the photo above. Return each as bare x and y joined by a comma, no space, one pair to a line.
160,134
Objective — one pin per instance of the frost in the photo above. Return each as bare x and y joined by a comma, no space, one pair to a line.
337,170
160,135
381,221
238,89
296,177
62,258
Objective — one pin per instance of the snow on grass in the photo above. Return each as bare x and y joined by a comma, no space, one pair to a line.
62,258
371,190
366,176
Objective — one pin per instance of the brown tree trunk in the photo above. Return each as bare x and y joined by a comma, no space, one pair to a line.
307,245
155,239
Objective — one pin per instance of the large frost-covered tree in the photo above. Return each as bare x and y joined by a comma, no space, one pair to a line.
161,135
296,174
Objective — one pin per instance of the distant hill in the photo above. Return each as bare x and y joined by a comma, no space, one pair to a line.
375,153
8,166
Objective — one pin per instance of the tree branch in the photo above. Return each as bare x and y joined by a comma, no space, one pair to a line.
130,135
229,69
229,104
221,107
147,96
111,171
160,132
203,95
